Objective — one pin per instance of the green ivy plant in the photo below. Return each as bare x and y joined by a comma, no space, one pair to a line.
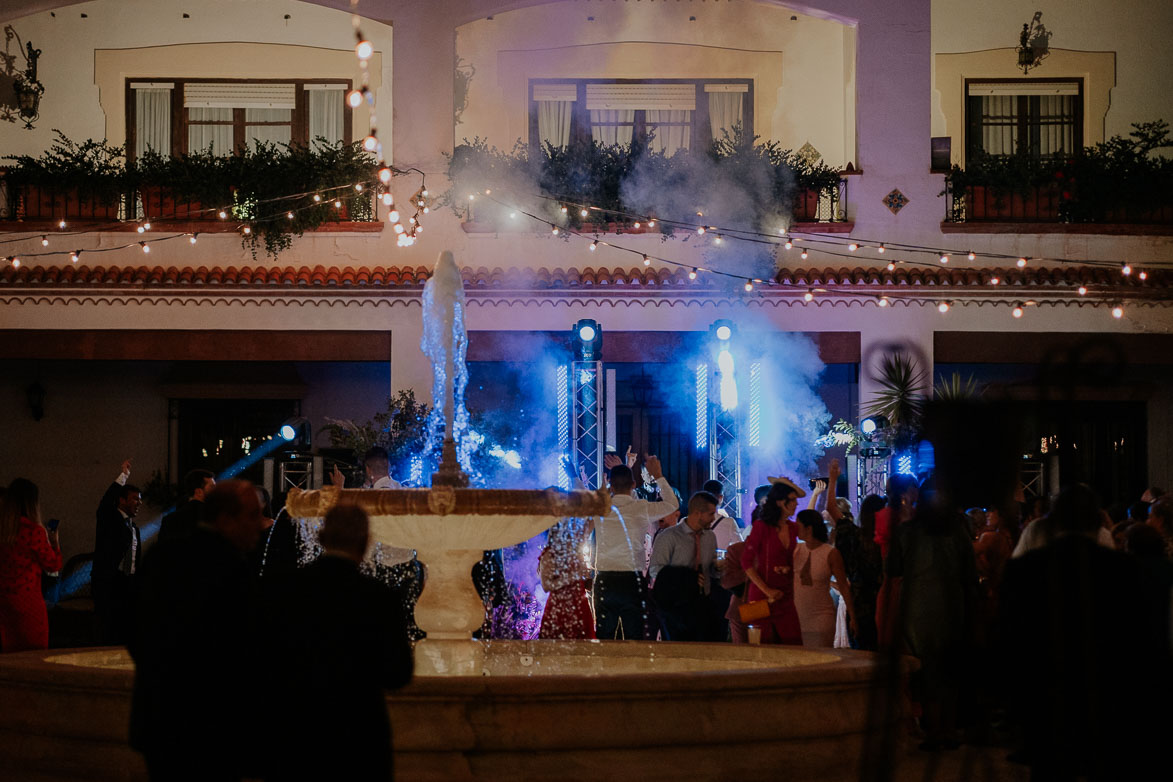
94,169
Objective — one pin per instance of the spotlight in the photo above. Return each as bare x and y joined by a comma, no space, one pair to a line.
723,330
873,424
588,340
296,430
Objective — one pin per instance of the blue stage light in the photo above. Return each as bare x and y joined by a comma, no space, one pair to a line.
288,433
868,425
724,333
586,333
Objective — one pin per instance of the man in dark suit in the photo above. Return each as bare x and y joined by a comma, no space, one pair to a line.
338,642
181,522
195,649
117,555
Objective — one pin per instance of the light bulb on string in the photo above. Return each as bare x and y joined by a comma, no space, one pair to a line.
1021,263
635,225
647,260
44,241
1125,269
594,245
354,99
388,199
1082,290
193,238
398,227
247,230
370,143
75,255
317,200
692,274
490,192
880,249
805,254
994,280
1143,275
717,239
891,266
146,247
222,214
582,213
364,50
393,215
972,255
61,224
140,229
15,262
358,188
554,230
748,287
1017,311
944,258
883,301
808,296
853,247
943,307
789,244
651,222
1117,312
289,215
700,230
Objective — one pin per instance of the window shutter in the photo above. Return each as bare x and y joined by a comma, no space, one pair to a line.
1025,88
726,88
556,92
238,96
629,97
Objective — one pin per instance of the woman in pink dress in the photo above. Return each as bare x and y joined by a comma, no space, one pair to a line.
815,562
26,551
768,560
566,576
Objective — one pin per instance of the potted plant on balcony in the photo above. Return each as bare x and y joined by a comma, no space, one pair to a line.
1006,187
1121,180
71,180
191,186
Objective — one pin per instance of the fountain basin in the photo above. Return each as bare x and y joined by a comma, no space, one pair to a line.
540,710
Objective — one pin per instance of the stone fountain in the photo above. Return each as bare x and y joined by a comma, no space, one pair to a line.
532,710
450,526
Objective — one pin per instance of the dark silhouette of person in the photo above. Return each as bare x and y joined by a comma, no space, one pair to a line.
181,522
338,641
117,557
195,650
1077,624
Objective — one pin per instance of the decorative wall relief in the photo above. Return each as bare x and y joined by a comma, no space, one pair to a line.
462,78
20,90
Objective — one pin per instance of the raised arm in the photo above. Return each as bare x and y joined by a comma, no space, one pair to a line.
832,483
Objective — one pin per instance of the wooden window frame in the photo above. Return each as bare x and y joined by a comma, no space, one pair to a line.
298,122
580,117
972,119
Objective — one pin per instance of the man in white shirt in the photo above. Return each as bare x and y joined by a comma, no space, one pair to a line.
620,588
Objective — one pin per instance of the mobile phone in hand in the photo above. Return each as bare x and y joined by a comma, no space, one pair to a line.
53,525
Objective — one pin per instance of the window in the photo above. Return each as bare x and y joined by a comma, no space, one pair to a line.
225,115
678,113
1043,119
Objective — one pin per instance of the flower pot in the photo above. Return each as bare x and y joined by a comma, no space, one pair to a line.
1036,203
43,203
161,203
806,206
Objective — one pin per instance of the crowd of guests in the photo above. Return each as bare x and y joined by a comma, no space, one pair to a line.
1051,617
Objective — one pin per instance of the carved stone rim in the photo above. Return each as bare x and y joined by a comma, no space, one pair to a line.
464,502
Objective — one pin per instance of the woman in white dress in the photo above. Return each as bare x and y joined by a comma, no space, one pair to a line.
815,562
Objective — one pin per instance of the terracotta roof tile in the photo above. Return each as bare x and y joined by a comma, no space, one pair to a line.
904,276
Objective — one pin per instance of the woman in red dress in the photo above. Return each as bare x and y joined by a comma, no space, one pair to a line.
26,551
768,560
566,576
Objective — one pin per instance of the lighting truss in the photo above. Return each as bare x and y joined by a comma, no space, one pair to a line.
562,384
587,419
754,417
725,456
872,472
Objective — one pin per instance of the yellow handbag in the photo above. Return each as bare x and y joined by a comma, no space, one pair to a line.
754,610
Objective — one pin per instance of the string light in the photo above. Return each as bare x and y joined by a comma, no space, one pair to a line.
883,301
1082,290
853,247
247,230
891,266
594,245
1022,263
393,215
337,204
1117,312
700,230
805,254
972,255
943,307
370,143
564,209
289,215
717,240
388,199
44,241
944,258
146,247
358,187
647,260
364,50
1143,275
1125,269
994,280
789,244
222,214
354,99
880,249
748,286
15,262
652,223
73,256
554,229
1017,311
692,274
635,225
147,225
61,224
194,237
582,213
141,229
808,296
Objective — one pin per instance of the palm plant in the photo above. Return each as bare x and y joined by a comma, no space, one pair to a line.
900,398
954,389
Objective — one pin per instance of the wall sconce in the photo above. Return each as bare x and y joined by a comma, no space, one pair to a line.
1033,43
35,394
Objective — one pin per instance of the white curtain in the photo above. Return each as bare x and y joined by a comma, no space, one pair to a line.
669,138
554,121
608,135
152,120
326,112
218,136
278,134
1057,124
724,112
1000,124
